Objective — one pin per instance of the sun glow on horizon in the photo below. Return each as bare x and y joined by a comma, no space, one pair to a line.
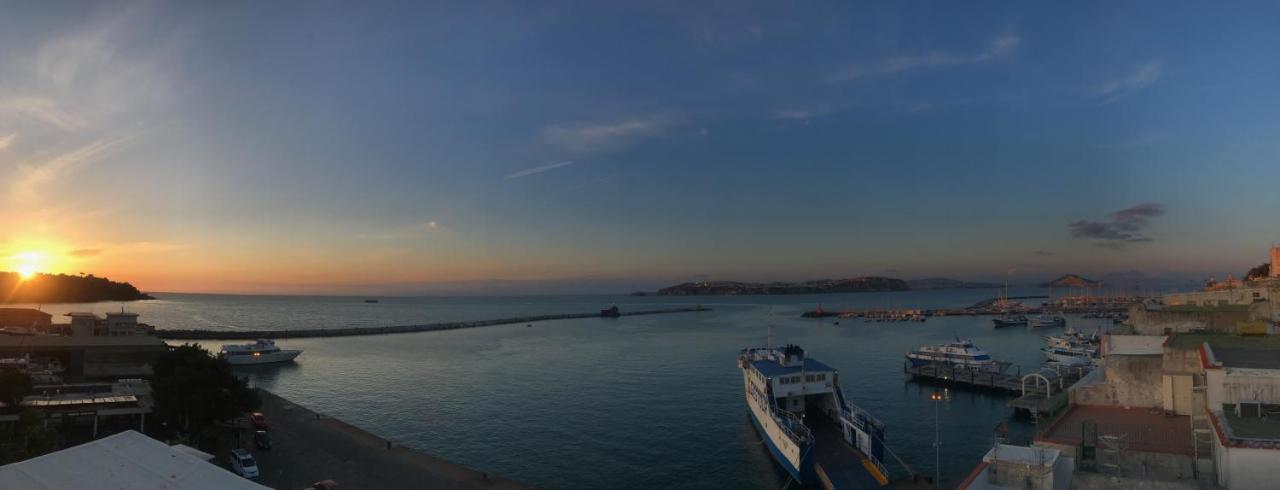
28,264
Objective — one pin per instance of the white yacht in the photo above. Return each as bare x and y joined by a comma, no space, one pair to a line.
804,418
261,352
959,353
1071,348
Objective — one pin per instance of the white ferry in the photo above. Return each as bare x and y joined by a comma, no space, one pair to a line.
801,413
261,352
959,353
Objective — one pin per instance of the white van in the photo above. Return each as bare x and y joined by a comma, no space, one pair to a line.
243,464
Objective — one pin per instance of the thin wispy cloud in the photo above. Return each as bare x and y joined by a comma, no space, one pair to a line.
33,176
1119,87
1001,47
803,114
43,110
1121,228
538,170
6,140
404,232
595,137
84,252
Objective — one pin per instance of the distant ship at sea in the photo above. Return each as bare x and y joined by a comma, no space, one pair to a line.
800,411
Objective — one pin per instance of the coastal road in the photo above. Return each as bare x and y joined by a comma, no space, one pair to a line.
309,447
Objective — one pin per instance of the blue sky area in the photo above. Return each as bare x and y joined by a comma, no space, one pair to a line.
365,146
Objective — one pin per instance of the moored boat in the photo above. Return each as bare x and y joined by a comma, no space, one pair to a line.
797,405
958,353
1046,321
1009,321
261,352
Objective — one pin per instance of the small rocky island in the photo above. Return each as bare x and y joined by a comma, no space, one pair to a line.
823,286
63,288
1071,281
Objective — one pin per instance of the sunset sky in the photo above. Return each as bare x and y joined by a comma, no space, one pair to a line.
328,147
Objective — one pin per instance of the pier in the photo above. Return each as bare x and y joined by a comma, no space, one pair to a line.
1038,389
205,334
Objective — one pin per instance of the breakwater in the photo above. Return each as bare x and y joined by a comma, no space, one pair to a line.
203,334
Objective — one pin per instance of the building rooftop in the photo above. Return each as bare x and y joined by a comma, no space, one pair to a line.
1144,429
1134,345
772,369
1251,427
1235,351
128,460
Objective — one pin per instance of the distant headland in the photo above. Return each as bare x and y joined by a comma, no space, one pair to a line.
945,283
725,288
63,288
1072,281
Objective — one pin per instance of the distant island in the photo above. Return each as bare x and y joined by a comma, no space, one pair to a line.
1072,281
62,288
945,283
725,288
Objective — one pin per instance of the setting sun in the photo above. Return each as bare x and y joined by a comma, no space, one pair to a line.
28,264
27,271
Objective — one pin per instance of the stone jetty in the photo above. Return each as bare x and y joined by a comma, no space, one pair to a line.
201,334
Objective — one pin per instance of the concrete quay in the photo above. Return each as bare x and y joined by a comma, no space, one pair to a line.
204,334
310,447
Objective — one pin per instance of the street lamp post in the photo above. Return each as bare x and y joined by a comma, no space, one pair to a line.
937,441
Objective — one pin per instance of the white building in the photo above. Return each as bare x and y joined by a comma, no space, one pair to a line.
128,460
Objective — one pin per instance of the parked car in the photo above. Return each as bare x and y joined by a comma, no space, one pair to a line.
243,464
259,421
262,440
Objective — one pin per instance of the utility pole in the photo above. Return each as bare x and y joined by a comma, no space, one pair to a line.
937,441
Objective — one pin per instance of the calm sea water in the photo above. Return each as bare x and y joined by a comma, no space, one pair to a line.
639,402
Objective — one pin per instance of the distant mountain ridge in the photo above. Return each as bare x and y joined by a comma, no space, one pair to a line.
1071,281
946,283
62,288
823,286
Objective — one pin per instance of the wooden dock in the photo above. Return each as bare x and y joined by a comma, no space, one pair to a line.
1044,382
204,334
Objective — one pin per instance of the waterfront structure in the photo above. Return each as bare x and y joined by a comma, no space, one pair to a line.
806,422
91,347
960,353
123,402
125,460
263,351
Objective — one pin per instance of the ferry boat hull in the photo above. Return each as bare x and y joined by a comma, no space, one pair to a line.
264,358
798,463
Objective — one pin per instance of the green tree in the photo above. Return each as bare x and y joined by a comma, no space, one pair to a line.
193,390
14,386
1258,272
29,437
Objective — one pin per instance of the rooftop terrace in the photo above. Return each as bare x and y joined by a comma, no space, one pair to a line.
1147,430
1251,427
1235,351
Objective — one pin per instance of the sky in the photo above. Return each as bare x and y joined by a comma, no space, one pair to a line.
435,147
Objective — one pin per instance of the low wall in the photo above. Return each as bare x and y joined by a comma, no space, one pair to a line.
1131,381
1157,322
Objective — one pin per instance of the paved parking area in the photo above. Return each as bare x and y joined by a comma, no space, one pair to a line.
309,448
